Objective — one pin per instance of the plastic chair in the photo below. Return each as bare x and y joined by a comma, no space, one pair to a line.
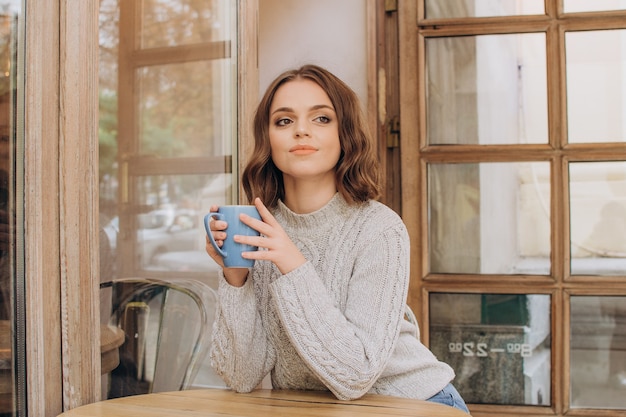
167,327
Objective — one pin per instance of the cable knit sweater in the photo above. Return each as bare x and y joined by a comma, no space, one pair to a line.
335,323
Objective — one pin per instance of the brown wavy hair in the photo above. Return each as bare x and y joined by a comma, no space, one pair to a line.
357,170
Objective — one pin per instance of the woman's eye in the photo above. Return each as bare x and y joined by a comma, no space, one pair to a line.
282,122
323,119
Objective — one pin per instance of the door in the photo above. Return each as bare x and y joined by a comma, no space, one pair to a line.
513,134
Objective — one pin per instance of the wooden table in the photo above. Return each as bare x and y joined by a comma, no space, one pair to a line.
259,403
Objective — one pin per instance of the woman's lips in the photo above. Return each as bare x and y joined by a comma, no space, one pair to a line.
302,150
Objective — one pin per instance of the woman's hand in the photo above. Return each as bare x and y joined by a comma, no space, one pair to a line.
279,247
217,230
235,276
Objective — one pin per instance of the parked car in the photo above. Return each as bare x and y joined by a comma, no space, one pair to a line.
161,231
181,232
188,261
193,260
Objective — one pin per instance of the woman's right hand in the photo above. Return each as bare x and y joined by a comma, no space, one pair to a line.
235,276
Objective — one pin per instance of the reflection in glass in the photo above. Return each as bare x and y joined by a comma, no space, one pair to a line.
573,6
598,352
186,109
489,218
11,298
488,89
596,111
498,345
598,218
202,21
170,232
167,133
437,9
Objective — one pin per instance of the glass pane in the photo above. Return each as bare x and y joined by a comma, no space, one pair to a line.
180,22
489,218
598,352
166,138
186,109
170,233
171,236
437,9
488,89
498,345
596,111
598,218
11,292
572,6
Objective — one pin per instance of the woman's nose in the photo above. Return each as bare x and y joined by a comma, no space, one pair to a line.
302,129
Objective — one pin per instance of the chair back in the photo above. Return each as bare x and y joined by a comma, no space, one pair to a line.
167,326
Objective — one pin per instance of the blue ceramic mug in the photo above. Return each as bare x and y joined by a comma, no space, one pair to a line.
230,250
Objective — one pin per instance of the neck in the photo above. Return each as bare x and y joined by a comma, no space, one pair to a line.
304,197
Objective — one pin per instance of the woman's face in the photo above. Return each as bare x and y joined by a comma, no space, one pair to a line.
304,132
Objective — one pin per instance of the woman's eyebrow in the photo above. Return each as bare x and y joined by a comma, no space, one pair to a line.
283,109
315,107
322,106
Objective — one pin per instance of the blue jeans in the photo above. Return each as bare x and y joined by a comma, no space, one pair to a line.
449,396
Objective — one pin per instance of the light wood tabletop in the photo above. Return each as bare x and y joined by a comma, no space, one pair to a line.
259,403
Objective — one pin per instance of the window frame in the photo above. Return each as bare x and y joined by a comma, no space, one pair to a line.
560,284
61,198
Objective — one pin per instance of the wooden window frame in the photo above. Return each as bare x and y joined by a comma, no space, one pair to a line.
61,198
61,205
560,284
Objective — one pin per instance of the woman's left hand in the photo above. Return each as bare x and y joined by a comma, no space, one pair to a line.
280,249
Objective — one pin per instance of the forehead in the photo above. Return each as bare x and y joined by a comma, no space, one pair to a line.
300,92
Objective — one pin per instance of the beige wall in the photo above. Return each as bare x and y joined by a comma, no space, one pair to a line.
329,33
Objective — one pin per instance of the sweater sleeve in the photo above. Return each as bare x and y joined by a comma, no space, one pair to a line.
348,346
240,352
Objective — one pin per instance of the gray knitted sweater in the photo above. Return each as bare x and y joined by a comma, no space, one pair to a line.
335,323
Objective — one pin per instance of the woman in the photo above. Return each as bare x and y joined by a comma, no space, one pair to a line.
323,307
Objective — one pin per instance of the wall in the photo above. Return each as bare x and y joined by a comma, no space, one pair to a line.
329,33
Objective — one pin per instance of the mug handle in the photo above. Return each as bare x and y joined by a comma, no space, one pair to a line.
207,218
